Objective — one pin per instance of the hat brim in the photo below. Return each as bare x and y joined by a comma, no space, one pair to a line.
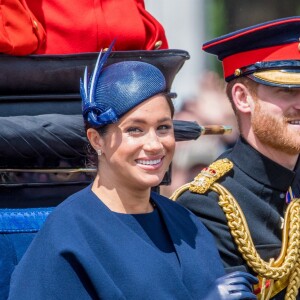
282,78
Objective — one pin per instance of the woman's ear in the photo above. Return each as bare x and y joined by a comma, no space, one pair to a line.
242,98
94,139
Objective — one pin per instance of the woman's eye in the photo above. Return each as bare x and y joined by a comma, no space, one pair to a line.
164,127
133,130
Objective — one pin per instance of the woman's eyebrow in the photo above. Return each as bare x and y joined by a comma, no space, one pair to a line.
143,120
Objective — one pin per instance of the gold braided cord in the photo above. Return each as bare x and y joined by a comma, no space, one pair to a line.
282,272
241,234
294,283
180,191
205,178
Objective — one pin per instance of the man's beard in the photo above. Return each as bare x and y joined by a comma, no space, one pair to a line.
275,132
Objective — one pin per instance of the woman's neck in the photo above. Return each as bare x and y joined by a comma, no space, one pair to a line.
123,199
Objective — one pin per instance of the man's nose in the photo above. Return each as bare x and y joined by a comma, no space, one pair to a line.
297,101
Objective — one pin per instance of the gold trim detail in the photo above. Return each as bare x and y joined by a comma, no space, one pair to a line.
55,170
275,275
278,76
282,272
180,191
209,175
205,178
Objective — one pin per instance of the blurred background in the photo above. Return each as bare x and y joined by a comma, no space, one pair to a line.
199,85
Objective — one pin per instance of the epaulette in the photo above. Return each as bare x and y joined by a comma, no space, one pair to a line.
209,175
205,178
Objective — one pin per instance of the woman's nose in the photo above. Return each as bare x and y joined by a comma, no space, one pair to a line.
153,143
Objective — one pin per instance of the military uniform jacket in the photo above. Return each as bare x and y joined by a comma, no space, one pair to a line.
259,185
84,251
91,25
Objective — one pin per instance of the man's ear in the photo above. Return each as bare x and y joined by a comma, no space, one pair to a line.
242,98
94,139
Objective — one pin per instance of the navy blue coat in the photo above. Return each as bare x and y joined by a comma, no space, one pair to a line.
84,251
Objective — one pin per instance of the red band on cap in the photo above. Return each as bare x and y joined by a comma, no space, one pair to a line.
243,59
248,31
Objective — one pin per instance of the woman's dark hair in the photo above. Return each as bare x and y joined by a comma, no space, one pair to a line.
91,154
171,105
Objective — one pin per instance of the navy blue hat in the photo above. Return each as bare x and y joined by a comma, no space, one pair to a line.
268,53
118,87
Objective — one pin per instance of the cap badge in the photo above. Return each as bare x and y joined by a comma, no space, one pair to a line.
237,72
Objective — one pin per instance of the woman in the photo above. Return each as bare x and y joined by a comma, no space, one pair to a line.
116,239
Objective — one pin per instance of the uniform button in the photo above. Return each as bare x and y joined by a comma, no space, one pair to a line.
281,223
237,72
282,195
35,25
157,45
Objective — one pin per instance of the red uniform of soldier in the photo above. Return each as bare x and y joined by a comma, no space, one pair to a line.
88,26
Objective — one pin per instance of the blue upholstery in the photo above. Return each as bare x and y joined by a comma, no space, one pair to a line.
17,229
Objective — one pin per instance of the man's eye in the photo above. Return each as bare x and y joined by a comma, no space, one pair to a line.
288,91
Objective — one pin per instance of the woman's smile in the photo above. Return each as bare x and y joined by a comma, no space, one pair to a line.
150,164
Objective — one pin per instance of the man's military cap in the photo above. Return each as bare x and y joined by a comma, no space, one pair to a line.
268,53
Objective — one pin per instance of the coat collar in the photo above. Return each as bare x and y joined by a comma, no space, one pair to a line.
188,236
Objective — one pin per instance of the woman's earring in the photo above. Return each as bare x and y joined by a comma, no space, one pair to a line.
99,152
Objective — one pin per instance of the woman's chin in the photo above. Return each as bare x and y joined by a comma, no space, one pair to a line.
153,182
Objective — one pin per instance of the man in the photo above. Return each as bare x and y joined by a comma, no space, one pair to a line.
247,197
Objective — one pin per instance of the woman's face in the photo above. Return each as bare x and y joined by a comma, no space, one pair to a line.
139,148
